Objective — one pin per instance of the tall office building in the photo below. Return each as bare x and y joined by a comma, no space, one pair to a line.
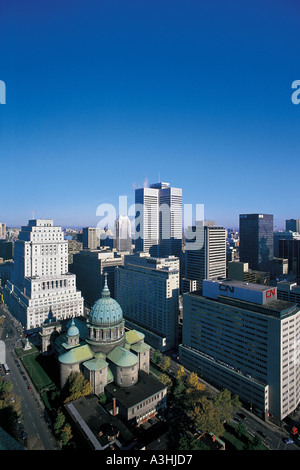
293,225
91,237
256,240
147,289
159,220
287,235
42,287
2,231
205,257
242,337
290,249
170,219
123,238
89,267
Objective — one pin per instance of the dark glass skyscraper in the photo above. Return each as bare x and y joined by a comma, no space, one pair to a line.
256,240
293,225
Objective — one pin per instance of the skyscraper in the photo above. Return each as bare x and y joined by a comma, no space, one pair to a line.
42,287
89,267
293,225
159,220
170,219
2,231
147,289
146,222
91,237
123,239
290,250
256,240
205,258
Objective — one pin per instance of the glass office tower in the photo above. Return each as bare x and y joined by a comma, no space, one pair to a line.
256,240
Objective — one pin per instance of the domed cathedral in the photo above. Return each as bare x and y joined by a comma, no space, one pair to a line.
106,324
101,349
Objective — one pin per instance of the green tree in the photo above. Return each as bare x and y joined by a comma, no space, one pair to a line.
206,417
256,442
156,357
165,363
10,407
5,389
102,398
179,392
59,422
66,434
241,429
227,404
77,386
189,442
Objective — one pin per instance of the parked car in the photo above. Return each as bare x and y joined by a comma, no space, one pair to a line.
288,440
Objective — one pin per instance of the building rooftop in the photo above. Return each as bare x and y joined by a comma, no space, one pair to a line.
122,357
146,386
134,336
76,354
245,285
91,419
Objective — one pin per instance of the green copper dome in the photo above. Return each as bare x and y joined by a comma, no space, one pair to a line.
73,330
105,311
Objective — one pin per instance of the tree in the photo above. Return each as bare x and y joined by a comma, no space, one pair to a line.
188,442
165,379
193,383
10,407
194,389
180,374
227,404
77,386
179,393
102,398
165,363
59,422
206,417
241,429
66,434
156,357
5,389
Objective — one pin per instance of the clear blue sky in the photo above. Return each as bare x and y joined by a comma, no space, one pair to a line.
103,95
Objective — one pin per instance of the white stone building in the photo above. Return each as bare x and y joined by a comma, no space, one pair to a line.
41,286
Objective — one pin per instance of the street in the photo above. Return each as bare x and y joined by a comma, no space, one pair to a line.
271,435
34,424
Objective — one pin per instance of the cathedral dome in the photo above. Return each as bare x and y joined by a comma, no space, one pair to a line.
105,311
73,330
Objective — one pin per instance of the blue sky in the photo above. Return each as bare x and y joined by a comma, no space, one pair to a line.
103,96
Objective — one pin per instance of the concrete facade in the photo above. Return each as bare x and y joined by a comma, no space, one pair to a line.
240,336
41,286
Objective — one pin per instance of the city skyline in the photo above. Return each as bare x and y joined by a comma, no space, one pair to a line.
102,99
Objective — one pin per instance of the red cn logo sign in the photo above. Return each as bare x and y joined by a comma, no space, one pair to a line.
226,288
270,293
